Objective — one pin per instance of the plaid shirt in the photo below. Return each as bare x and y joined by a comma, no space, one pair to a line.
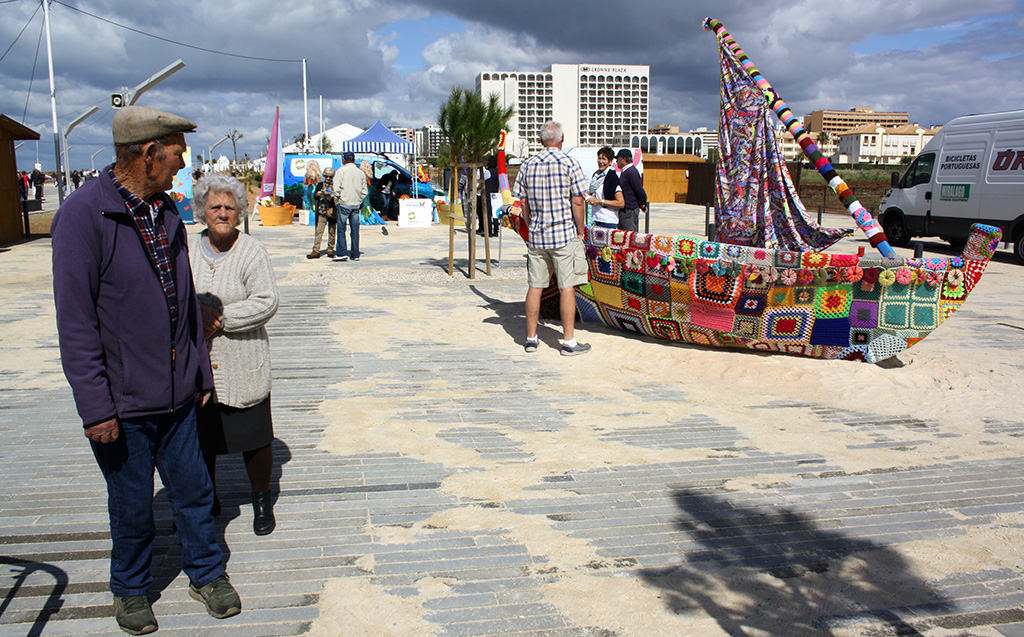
548,181
148,219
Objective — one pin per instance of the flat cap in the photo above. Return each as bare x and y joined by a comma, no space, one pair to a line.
138,124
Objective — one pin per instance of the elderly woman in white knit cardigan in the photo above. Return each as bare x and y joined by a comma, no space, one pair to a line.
237,294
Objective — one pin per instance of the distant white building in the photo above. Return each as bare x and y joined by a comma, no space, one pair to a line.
876,144
597,104
428,140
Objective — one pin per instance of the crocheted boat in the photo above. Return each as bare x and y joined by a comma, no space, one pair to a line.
851,307
790,297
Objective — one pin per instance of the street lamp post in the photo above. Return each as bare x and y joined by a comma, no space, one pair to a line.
64,132
226,138
92,162
127,96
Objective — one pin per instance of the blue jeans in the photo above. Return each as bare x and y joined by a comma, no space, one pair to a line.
351,217
169,443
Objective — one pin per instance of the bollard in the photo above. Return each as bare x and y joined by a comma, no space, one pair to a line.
819,214
707,214
918,249
711,231
647,220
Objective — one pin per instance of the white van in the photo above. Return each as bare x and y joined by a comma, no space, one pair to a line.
972,171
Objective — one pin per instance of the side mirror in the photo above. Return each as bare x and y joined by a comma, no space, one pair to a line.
895,180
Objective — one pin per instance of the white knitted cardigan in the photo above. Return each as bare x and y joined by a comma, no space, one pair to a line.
241,286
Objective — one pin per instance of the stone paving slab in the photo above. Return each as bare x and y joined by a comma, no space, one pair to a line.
680,527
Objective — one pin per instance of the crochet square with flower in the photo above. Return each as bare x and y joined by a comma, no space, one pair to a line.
686,247
714,289
833,301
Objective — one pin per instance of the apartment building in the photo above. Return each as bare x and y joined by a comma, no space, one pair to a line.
834,122
595,103
880,145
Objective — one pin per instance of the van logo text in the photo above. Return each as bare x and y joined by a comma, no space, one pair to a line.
1009,160
955,192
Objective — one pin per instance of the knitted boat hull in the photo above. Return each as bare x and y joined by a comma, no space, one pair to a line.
831,306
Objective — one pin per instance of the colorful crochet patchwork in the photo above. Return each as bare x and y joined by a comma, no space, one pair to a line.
821,305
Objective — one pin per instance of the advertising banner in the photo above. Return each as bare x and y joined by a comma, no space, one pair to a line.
415,213
181,190
295,173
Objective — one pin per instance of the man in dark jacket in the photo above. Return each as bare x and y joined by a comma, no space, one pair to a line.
38,179
632,192
132,348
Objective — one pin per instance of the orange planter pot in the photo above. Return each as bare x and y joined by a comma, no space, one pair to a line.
276,215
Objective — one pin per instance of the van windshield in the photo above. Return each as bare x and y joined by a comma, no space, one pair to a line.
920,172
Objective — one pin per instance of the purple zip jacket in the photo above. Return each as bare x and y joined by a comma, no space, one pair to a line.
116,345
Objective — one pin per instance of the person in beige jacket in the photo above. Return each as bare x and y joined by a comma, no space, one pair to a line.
238,296
349,192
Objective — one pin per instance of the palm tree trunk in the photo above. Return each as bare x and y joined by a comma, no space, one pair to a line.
484,210
472,220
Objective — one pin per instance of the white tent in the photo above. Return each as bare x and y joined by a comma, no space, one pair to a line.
336,136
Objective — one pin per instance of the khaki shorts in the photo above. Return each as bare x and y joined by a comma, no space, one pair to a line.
569,264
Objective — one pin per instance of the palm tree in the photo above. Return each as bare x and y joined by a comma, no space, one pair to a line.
473,128
234,136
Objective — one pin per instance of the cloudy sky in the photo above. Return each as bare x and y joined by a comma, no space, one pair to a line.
396,60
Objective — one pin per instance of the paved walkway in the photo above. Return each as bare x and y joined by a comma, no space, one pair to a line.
663,523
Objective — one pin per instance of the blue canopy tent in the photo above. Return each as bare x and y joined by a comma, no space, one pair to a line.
380,139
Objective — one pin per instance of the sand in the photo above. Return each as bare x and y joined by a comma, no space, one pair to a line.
954,380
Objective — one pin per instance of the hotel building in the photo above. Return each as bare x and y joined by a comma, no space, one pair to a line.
596,104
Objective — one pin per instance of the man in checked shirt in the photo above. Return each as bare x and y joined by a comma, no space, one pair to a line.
551,187
132,348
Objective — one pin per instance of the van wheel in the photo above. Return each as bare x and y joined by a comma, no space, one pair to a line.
1018,248
895,231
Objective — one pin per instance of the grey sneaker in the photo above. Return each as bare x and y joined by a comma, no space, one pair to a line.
579,348
219,596
531,346
134,615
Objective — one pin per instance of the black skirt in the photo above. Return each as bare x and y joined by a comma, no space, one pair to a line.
224,429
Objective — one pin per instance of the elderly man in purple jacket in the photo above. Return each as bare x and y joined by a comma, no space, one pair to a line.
132,348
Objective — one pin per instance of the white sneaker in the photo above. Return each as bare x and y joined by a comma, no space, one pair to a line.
576,350
343,257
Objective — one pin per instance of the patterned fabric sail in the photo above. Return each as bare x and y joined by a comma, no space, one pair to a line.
756,202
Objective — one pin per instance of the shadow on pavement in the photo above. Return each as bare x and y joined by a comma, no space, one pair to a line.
762,570
20,570
235,495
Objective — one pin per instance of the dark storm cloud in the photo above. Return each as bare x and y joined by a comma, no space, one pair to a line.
966,61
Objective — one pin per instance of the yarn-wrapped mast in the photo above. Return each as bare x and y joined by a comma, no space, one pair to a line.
862,217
